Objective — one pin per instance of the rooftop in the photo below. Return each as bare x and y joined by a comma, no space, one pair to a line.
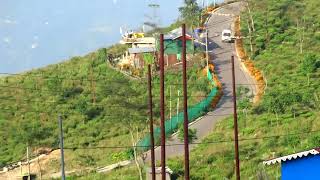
144,40
290,157
141,50
176,33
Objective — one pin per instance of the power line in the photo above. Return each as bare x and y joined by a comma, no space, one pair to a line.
172,84
88,93
71,105
198,143
74,113
179,144
106,115
19,99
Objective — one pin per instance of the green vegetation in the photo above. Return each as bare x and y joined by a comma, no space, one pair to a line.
287,120
285,47
192,134
100,107
191,13
126,173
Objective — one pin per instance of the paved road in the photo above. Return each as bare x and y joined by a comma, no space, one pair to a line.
222,52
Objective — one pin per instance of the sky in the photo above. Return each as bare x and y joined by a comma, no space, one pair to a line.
35,33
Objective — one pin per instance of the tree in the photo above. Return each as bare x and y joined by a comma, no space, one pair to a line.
309,65
190,13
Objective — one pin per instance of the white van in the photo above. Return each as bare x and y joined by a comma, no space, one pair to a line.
226,36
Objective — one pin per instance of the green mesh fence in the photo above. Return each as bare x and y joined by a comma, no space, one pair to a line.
172,124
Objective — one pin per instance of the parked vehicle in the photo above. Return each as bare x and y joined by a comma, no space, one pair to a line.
226,36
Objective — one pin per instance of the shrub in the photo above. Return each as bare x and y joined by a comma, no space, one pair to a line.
192,134
93,112
71,92
309,64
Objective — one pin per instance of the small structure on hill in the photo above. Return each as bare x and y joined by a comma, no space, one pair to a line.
142,45
173,46
139,46
139,42
137,55
302,165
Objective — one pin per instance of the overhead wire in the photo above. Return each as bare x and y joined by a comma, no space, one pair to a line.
199,143
205,142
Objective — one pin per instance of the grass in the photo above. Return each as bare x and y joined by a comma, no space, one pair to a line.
31,101
126,173
287,119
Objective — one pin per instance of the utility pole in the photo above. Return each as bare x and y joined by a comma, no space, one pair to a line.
153,169
178,105
153,20
185,104
170,107
162,124
63,176
207,52
235,118
28,161
40,171
93,90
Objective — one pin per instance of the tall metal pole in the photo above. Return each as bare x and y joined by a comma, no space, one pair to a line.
178,106
185,104
170,107
235,117
162,126
153,169
207,52
63,176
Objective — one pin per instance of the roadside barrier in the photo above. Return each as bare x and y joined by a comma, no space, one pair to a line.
194,112
249,65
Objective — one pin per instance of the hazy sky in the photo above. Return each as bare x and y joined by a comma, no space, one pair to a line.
34,33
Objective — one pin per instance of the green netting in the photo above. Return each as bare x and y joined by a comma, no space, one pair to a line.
172,124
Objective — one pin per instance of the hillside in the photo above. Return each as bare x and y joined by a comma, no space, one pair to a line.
285,42
99,106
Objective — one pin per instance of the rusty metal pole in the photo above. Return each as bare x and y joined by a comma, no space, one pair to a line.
162,126
235,118
153,169
185,104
